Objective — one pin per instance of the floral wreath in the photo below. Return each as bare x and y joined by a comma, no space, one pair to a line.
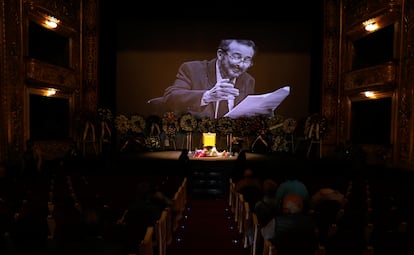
225,125
104,114
122,123
137,124
153,125
275,124
188,123
170,123
242,126
206,125
280,144
257,125
289,125
315,126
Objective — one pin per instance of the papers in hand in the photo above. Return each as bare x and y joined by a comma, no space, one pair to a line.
263,104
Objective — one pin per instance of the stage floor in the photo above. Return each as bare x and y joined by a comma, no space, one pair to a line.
174,155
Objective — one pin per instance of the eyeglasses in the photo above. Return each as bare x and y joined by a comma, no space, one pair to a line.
237,58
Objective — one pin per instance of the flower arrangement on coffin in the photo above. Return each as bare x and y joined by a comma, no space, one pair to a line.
315,126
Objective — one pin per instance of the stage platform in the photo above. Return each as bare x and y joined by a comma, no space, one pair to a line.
174,155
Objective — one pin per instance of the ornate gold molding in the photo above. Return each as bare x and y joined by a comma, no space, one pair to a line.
355,12
41,72
371,77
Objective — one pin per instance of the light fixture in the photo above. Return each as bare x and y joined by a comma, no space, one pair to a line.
370,25
51,92
51,22
370,94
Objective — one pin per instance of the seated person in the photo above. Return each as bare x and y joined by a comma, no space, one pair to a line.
250,186
267,208
295,231
327,194
293,185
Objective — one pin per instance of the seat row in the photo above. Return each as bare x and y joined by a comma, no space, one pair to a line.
84,191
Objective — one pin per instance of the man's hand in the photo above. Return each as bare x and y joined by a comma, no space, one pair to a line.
223,90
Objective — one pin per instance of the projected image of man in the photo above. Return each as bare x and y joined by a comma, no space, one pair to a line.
210,88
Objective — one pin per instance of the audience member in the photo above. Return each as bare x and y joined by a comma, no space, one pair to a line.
325,205
72,158
294,230
250,186
240,166
184,163
327,194
292,185
267,208
31,161
143,211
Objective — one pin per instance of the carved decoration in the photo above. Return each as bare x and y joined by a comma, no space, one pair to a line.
17,72
358,11
66,10
51,150
369,77
90,57
51,74
11,79
405,120
330,70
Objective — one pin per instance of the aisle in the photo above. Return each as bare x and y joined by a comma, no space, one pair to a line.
207,229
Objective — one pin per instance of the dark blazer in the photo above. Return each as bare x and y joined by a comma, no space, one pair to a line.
192,80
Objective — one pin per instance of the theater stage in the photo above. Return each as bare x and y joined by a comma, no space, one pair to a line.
174,155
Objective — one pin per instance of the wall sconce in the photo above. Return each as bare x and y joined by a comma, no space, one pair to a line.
370,94
51,22
50,92
370,25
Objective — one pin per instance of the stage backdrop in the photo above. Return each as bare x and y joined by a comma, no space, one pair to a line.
149,54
